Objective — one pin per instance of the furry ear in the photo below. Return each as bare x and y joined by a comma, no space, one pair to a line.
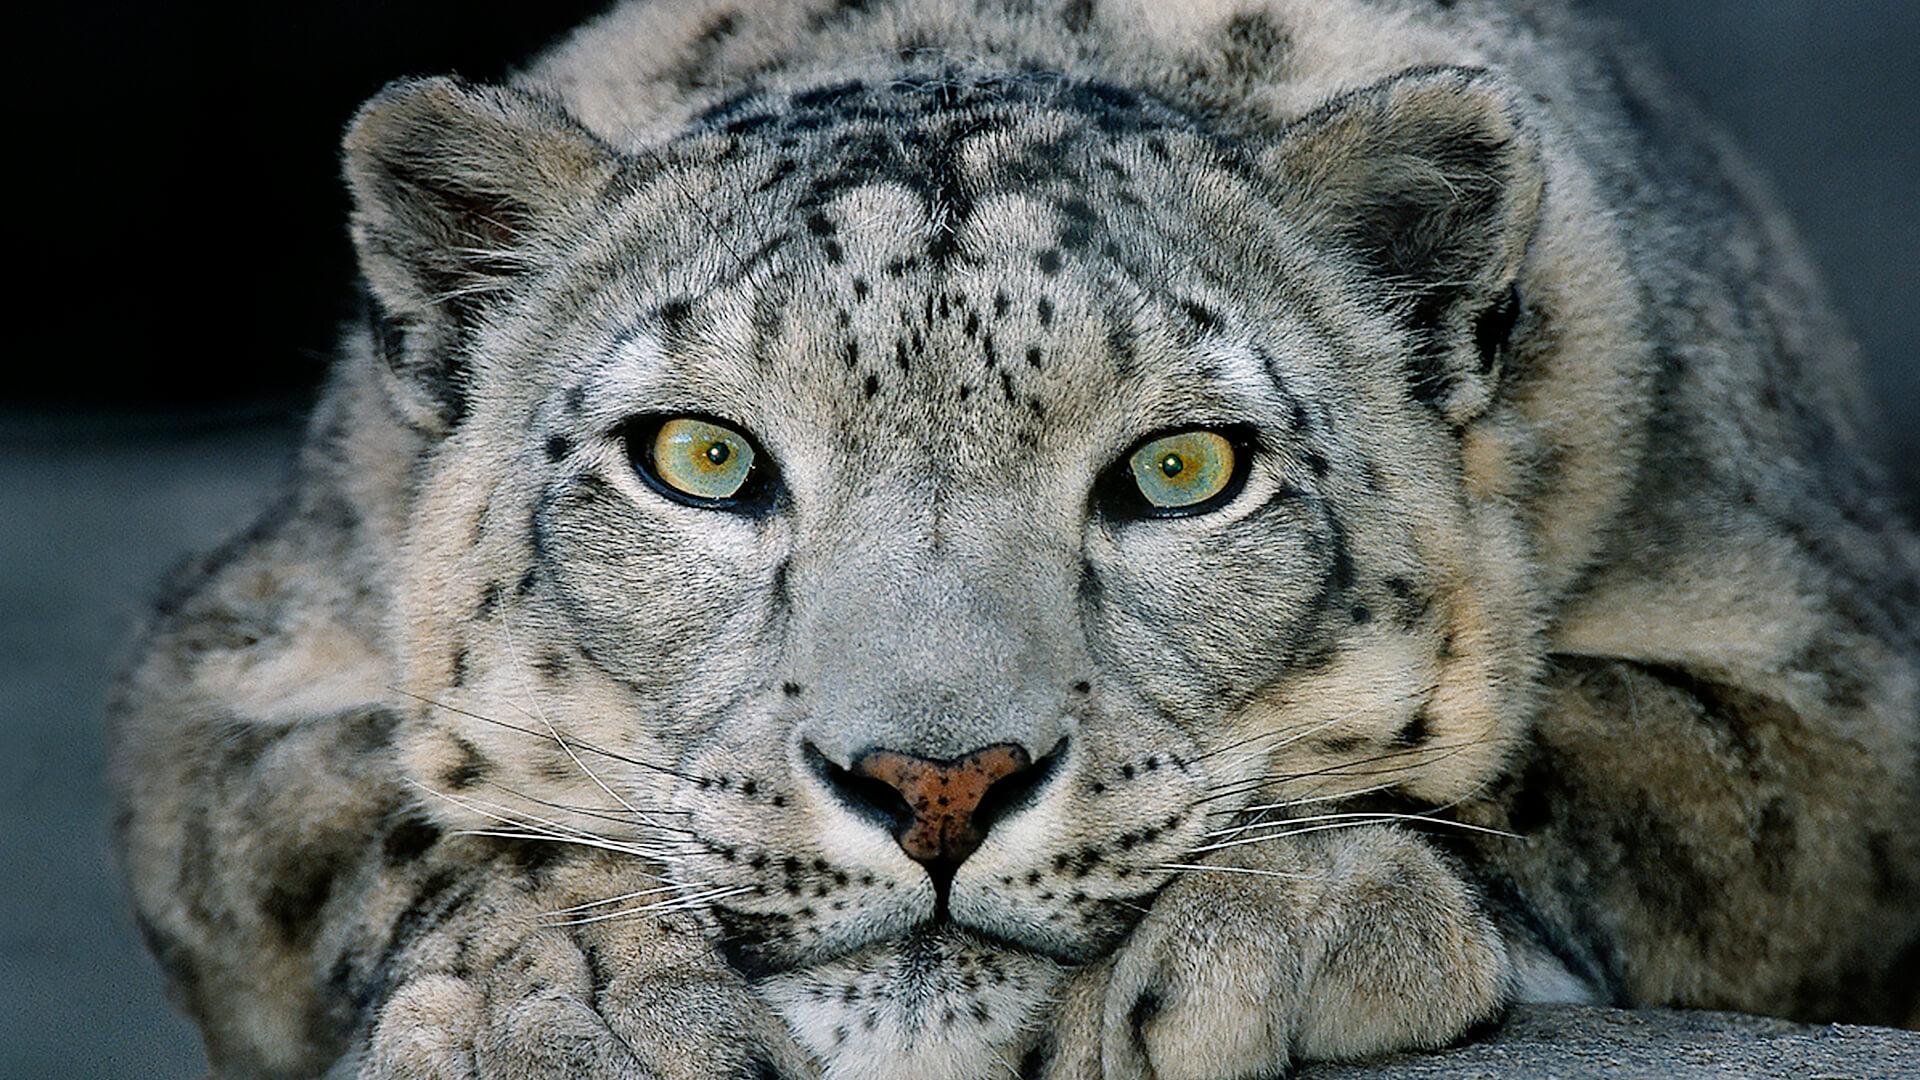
1432,181
454,187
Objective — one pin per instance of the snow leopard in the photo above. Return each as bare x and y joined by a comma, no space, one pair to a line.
1054,538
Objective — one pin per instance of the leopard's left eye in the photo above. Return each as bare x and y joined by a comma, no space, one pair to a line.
696,461
1184,470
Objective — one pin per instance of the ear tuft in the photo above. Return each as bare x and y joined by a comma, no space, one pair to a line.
456,190
1431,181
452,185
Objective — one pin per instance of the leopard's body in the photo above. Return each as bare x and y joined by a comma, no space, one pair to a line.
1544,633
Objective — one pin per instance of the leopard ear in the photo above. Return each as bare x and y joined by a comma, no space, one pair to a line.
1431,180
456,189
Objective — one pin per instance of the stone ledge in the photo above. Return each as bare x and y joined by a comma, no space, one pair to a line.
1566,1042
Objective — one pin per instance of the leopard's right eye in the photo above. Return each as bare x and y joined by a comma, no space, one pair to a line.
1181,471
1184,472
696,461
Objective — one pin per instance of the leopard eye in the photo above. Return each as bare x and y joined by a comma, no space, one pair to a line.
705,461
1183,470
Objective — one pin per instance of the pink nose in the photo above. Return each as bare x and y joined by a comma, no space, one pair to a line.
943,796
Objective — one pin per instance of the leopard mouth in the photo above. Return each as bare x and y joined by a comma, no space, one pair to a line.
761,946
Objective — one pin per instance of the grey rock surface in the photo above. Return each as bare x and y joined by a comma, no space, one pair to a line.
1574,1042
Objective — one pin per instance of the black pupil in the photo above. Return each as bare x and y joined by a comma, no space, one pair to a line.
1172,466
719,452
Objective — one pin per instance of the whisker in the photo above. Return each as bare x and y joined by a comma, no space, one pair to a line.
624,897
581,743
589,841
533,823
1204,868
662,908
520,670
1297,826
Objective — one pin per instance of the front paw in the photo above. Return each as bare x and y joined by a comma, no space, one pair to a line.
517,985
1321,946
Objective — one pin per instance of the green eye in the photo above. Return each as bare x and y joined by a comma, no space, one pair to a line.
1181,470
701,459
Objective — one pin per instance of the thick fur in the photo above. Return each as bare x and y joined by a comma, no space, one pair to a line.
1557,642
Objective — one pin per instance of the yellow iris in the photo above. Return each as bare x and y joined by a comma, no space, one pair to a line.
706,461
1183,469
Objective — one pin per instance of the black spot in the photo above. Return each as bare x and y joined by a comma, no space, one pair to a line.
871,386
1033,357
703,50
533,858
369,732
472,767
861,288
1001,302
1201,315
1889,881
1076,15
1082,687
1776,845
458,664
790,689
782,169
1044,310
296,897
1494,327
1252,45
1415,733
551,665
409,839
1049,261
489,600
758,1068
558,446
1360,614
852,355
576,399
1145,1008
1079,226
673,315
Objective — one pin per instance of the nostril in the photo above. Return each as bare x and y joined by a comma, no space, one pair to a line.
1014,791
867,796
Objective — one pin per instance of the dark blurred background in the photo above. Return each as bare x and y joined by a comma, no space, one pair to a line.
184,222
180,226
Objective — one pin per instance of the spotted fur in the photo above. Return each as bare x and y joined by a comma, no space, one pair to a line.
1552,639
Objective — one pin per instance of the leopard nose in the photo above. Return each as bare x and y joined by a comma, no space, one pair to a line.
939,811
